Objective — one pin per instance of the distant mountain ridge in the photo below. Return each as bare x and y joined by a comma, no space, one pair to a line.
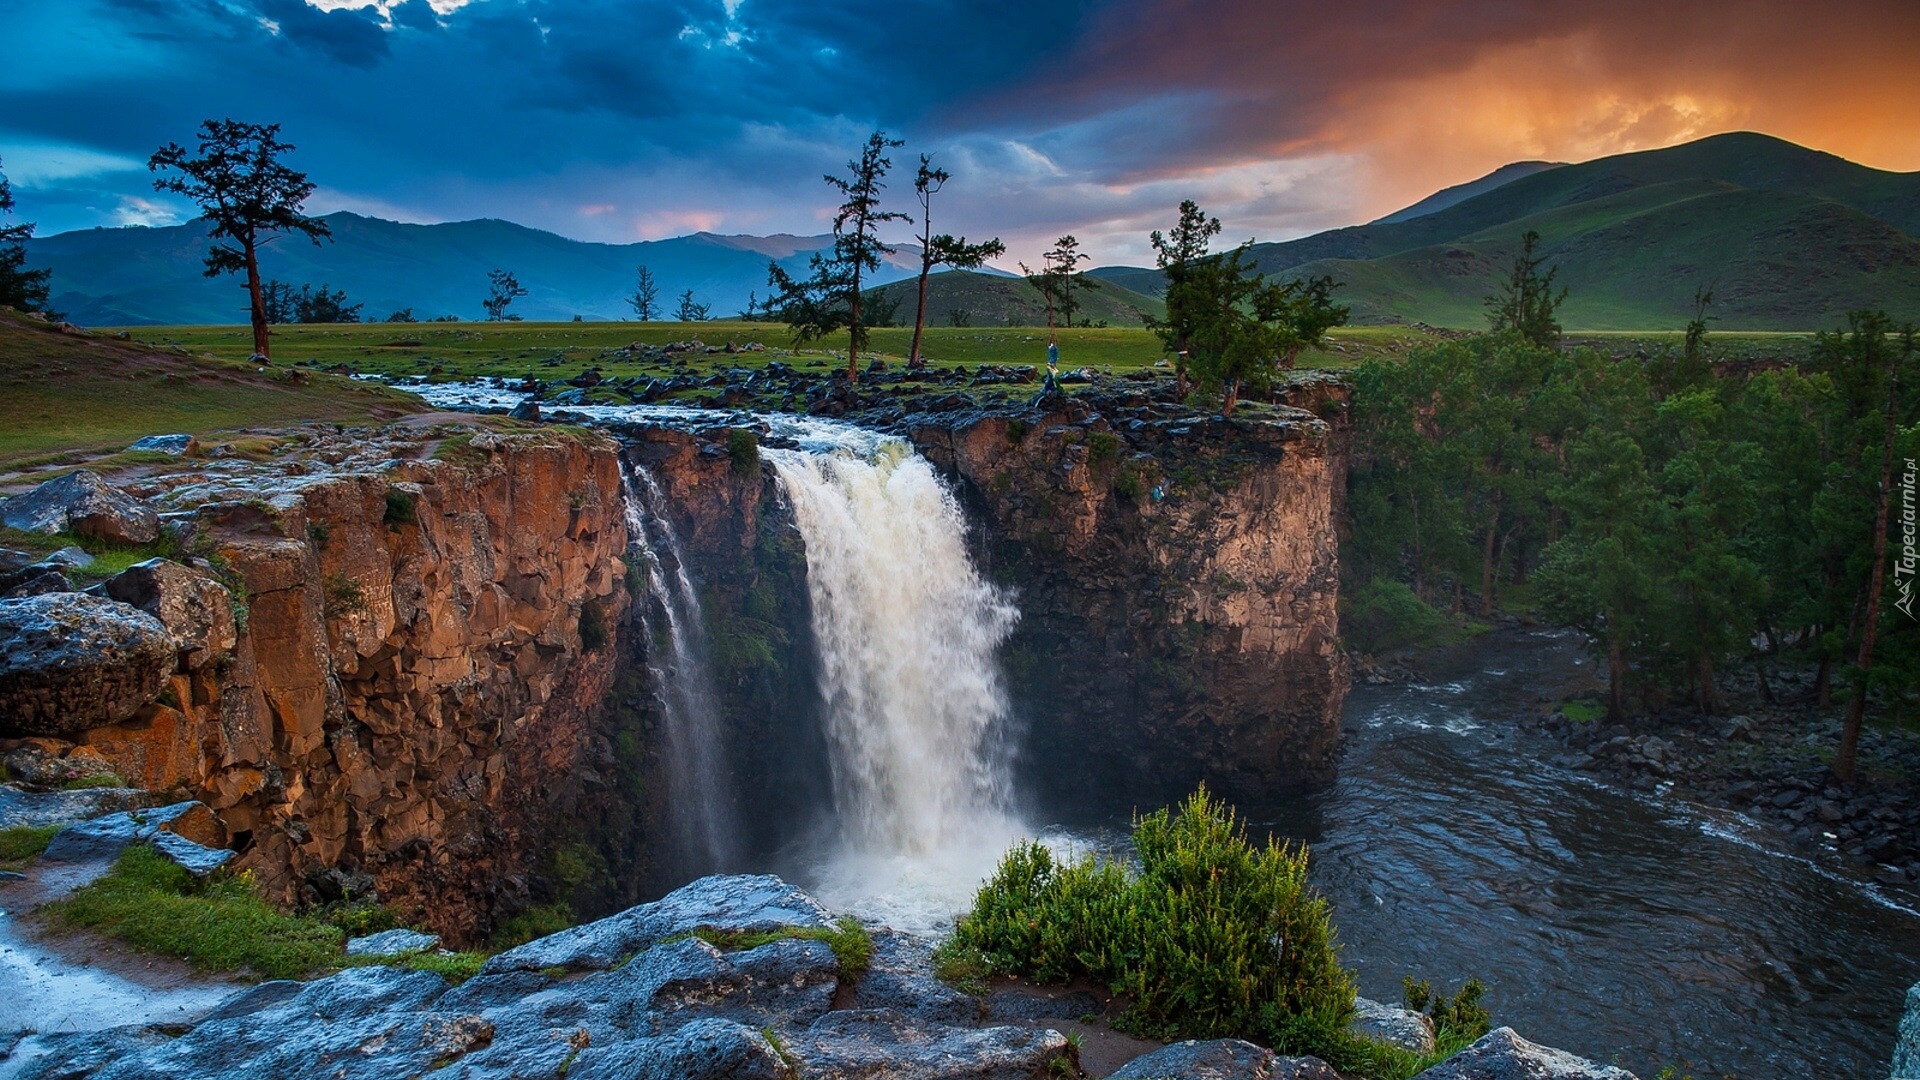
130,276
1788,238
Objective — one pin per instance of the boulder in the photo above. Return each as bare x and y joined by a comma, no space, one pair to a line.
195,608
1218,1059
167,444
528,409
711,1049
82,503
35,763
393,943
185,833
730,903
1906,1047
69,662
877,1044
900,977
1502,1055
1393,1025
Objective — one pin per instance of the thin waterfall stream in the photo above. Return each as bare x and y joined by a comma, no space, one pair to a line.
703,822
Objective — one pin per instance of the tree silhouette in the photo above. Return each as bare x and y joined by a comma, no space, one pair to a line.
20,287
829,298
645,300
246,193
502,290
942,250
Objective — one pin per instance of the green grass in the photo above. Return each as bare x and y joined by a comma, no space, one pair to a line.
851,943
19,843
1582,711
221,924
66,396
990,300
109,558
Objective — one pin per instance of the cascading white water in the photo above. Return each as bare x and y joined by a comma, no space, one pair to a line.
701,814
916,709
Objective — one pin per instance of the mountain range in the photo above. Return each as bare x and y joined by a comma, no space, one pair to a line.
1787,238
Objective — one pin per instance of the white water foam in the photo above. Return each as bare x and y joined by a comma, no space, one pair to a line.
907,633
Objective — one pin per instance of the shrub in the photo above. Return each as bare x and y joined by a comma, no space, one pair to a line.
1213,936
1385,615
400,508
1102,447
593,627
743,448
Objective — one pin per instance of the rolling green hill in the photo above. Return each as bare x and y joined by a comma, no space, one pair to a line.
1788,238
992,300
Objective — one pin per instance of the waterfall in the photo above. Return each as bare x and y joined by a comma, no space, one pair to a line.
906,632
700,813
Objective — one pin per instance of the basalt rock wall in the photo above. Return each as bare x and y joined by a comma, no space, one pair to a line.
1177,576
412,693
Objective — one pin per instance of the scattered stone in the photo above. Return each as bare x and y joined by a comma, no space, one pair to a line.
69,662
1392,1025
82,503
33,581
168,444
393,943
528,410
44,763
1502,1055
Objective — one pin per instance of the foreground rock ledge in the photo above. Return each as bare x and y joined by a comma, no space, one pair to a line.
637,996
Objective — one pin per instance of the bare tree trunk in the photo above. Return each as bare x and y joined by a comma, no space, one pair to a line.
1857,708
920,319
256,304
853,330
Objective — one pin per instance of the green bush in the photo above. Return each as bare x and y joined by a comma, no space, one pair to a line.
1385,615
400,508
743,449
1213,936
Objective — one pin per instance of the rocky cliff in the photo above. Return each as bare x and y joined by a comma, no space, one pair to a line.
392,652
1177,577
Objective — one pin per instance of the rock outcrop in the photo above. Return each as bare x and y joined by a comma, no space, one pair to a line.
1502,1055
1222,1059
1906,1049
1177,577
385,664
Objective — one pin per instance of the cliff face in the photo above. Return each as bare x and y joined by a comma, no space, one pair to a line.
414,689
1177,580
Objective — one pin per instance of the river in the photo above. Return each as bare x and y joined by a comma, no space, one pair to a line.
1622,927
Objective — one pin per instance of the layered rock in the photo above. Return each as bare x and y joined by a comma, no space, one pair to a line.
1177,576
389,671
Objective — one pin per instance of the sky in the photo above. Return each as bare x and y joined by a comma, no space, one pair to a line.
623,120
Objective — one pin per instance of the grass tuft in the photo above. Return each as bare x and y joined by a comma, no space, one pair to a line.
19,843
852,945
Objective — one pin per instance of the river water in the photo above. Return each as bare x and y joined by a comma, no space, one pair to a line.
1618,926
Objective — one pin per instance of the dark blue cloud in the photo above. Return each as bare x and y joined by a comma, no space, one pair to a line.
352,37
